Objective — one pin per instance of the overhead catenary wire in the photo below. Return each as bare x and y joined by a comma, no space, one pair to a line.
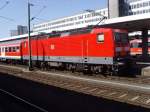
6,3
3,17
36,16
39,12
103,16
41,19
6,18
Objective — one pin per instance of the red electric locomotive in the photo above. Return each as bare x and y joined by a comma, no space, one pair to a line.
94,49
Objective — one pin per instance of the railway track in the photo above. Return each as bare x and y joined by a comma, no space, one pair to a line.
124,90
30,106
124,78
128,78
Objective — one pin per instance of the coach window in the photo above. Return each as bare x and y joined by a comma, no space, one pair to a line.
17,49
9,49
136,45
14,49
6,49
100,38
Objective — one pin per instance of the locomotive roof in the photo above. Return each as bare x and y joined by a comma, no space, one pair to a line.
52,34
16,37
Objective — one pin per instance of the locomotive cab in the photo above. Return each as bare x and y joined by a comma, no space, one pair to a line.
111,50
122,46
122,49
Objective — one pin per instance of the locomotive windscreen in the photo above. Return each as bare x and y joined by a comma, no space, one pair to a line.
121,37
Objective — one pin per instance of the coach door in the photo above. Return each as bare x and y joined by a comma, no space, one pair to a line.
3,51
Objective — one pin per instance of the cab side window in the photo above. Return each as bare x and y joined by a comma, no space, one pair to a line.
100,38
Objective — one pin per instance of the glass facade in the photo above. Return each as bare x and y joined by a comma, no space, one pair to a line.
138,7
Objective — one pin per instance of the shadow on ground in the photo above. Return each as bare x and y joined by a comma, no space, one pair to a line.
60,100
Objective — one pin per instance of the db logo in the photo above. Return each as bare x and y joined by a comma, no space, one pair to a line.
52,47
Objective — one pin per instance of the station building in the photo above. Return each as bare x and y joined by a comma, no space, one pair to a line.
71,22
119,8
138,7
116,8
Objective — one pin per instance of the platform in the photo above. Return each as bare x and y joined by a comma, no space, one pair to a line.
146,71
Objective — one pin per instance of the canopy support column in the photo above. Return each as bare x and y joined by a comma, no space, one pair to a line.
145,44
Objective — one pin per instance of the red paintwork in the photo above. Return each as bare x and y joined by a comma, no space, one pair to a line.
137,51
73,45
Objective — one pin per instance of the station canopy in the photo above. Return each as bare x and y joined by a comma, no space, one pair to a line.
130,23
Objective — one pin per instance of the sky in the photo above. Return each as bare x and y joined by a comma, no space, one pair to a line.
14,12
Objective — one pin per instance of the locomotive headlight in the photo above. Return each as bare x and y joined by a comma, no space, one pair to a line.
118,59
